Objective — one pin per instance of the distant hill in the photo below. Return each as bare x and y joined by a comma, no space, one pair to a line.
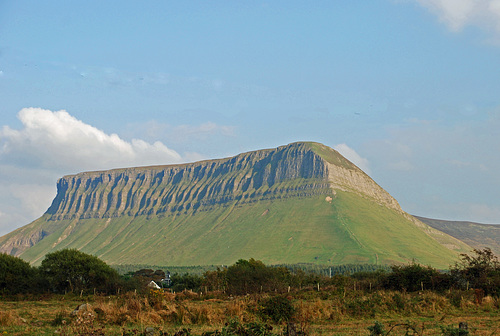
300,203
476,235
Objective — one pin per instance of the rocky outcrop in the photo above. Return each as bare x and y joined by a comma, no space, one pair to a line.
357,181
287,171
212,211
21,241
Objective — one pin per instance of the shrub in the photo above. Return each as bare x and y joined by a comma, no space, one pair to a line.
415,277
252,276
452,331
16,275
480,271
187,281
377,329
235,328
277,308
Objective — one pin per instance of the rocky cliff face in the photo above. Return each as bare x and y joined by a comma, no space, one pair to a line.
288,171
296,170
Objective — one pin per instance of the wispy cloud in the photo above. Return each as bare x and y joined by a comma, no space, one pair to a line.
457,14
184,134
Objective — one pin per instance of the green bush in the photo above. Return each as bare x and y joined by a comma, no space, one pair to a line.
277,308
235,328
252,276
70,270
16,275
480,271
415,277
452,331
187,281
377,329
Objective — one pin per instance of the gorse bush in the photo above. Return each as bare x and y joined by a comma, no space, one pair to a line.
235,328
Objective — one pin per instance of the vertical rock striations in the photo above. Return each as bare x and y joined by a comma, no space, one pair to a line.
303,202
288,171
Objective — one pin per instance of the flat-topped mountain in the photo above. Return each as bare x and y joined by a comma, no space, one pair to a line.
303,202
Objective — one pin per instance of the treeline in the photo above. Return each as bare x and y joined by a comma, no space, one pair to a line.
346,269
326,270
197,270
74,271
479,271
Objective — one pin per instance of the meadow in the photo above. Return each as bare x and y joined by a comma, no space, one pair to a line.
73,293
329,311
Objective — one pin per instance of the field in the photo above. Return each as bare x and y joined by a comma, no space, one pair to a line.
327,311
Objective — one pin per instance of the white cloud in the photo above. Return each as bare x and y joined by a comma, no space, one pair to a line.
457,14
58,140
52,144
351,155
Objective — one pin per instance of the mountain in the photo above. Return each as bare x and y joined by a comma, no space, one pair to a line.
478,236
303,202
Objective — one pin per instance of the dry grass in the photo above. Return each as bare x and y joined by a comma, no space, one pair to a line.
317,314
9,318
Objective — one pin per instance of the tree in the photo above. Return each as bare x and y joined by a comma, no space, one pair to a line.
414,277
215,280
16,275
187,281
74,271
252,276
480,270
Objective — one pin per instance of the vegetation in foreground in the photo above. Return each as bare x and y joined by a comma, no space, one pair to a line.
249,298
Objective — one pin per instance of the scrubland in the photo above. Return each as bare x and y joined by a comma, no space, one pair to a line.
329,311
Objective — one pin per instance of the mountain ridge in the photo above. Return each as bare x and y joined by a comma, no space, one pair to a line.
298,188
477,235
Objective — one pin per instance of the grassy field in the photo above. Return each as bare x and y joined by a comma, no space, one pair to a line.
324,312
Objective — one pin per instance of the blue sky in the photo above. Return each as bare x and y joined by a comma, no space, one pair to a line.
407,89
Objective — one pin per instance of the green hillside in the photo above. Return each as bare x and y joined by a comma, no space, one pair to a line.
347,229
478,236
299,203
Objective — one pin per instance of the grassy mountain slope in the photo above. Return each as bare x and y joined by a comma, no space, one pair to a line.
348,229
303,202
476,235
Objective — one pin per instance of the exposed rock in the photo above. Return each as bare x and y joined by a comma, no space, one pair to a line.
83,308
250,176
204,210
